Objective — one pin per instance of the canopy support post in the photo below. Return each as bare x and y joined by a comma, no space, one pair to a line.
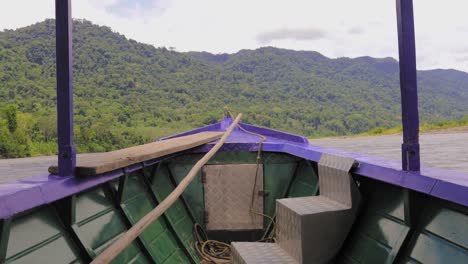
408,86
66,146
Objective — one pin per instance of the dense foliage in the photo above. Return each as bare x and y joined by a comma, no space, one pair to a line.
129,93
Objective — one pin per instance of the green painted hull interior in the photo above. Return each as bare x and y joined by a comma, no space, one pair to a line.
394,226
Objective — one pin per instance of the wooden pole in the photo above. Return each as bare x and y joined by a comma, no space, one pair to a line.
118,246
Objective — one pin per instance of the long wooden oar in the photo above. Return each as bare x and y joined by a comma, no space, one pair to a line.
118,246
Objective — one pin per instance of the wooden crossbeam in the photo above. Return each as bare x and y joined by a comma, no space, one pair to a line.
108,161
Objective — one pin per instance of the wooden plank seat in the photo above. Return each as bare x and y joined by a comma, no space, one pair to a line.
91,165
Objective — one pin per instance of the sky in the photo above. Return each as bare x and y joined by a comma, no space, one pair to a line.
335,28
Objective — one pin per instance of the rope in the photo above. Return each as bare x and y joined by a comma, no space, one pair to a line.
259,158
210,251
217,252
121,244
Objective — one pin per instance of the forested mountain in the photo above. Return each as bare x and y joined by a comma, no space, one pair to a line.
128,93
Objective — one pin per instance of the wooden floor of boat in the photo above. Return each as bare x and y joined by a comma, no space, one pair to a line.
90,164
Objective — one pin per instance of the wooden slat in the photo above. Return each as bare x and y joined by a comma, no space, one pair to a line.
109,161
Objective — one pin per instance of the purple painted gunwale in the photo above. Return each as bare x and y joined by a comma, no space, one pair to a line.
35,191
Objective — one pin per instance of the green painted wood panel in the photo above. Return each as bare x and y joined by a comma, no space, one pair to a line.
194,192
441,236
177,214
305,182
381,228
39,237
98,224
157,238
277,177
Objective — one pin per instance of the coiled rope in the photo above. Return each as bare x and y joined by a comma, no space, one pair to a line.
210,251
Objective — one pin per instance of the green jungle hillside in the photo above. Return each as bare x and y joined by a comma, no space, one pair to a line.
129,93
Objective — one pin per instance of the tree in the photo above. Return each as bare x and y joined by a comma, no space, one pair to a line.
11,114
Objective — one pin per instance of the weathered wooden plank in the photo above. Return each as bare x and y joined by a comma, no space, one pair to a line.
109,161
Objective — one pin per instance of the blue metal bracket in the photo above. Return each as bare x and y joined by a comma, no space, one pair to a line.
408,86
66,147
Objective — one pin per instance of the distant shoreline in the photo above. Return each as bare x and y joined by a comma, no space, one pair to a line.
448,130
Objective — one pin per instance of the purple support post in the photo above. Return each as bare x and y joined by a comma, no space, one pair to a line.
66,147
408,86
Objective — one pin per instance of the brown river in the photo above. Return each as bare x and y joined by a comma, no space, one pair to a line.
446,149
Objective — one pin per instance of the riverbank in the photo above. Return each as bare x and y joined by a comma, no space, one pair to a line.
425,129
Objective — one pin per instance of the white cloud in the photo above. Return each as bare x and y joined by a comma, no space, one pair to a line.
286,33
350,28
355,30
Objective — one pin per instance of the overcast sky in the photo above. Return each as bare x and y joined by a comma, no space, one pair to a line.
335,28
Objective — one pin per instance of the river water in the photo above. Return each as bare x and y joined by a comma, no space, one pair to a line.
442,150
